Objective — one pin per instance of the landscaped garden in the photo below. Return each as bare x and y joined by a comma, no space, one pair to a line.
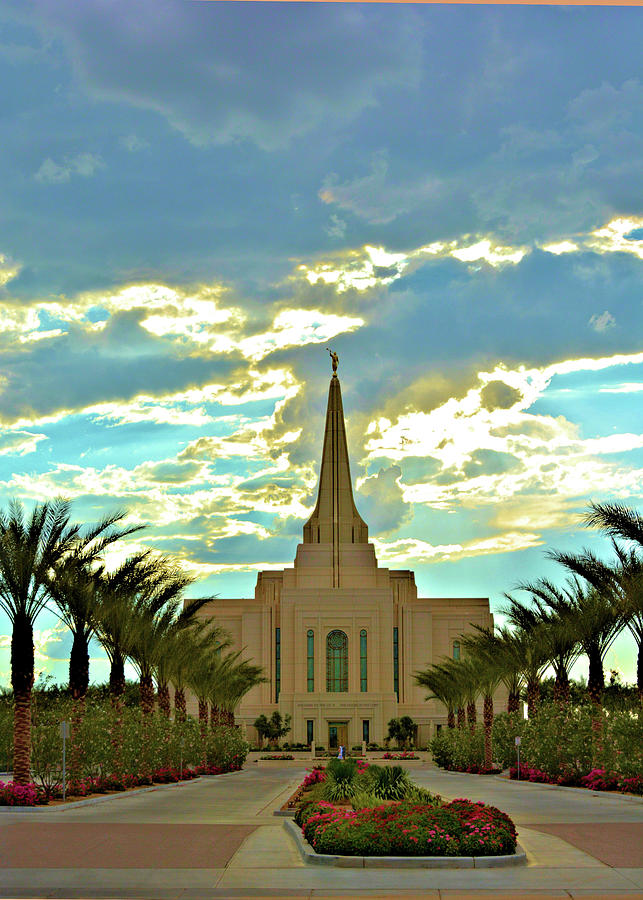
138,613
153,751
351,808
585,734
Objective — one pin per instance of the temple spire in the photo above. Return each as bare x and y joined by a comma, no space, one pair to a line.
335,520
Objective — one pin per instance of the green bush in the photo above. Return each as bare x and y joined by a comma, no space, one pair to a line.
390,783
459,749
559,741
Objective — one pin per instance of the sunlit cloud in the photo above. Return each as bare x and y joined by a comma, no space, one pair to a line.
488,454
8,270
628,387
559,247
19,443
613,237
413,550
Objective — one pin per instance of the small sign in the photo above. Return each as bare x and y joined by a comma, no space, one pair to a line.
517,740
65,730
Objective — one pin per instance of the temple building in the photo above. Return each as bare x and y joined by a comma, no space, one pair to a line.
339,637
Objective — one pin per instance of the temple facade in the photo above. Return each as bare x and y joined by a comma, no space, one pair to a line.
339,637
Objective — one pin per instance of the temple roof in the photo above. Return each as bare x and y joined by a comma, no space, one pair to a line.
335,519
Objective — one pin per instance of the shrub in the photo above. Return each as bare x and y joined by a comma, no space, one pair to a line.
390,783
408,829
21,794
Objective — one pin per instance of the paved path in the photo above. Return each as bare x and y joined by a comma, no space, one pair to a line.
218,838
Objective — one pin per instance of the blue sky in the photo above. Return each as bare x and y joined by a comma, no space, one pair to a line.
199,198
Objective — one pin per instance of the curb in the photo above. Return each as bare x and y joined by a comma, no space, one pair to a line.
310,857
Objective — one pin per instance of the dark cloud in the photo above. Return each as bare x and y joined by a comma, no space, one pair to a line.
499,395
221,74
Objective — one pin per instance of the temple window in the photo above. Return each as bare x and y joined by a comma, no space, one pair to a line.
396,662
456,649
310,660
277,663
336,662
363,662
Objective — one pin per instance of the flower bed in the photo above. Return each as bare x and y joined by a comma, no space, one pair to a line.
597,780
459,828
35,795
278,756
405,754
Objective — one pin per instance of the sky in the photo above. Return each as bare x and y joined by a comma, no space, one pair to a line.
199,198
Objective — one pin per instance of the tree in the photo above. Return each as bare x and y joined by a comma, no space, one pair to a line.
30,549
274,728
402,730
588,614
441,687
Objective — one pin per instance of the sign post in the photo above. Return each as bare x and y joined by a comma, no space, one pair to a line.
64,733
517,739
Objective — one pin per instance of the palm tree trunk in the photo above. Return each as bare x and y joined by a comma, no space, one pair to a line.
117,690
22,678
561,687
471,715
78,684
180,708
487,718
533,698
203,725
513,701
596,677
146,689
450,718
639,672
164,700
461,717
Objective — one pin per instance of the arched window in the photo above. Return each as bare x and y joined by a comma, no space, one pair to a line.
363,662
336,662
456,649
310,660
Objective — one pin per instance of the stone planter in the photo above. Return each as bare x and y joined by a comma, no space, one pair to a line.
310,857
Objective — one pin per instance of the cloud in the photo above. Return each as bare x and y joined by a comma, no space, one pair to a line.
8,269
83,164
211,72
336,228
133,143
372,197
19,443
407,551
487,448
602,322
380,500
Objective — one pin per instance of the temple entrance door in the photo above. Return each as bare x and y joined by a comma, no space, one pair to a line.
337,735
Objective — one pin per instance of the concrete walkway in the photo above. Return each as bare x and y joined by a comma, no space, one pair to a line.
217,837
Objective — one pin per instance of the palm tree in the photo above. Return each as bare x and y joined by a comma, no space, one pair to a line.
74,588
623,578
443,687
180,639
590,616
30,549
115,633
539,642
483,662
196,641
232,689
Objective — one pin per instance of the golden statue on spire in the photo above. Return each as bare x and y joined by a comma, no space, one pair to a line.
334,359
